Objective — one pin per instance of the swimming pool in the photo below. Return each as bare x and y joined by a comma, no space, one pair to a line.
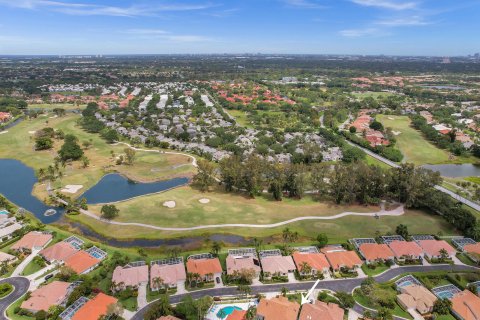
4,212
225,311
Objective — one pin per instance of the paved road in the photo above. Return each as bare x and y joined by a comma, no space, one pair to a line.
457,197
20,285
346,285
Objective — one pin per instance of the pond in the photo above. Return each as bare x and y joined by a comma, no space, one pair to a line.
17,180
114,187
455,170
444,87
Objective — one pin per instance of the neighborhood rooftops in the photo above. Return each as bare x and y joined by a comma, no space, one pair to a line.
278,308
321,310
317,261
405,249
130,275
375,251
417,297
44,297
238,260
58,252
466,305
277,264
339,259
95,308
31,240
204,266
81,262
432,248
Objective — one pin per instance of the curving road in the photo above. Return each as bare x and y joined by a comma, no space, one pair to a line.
345,285
20,285
394,212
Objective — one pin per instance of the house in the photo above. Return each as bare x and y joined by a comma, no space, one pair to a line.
81,262
416,297
343,259
170,318
172,274
59,252
6,233
5,116
8,258
34,240
406,250
466,306
432,248
95,308
441,128
277,265
208,267
239,260
277,309
317,262
473,250
237,315
52,294
321,310
132,275
373,252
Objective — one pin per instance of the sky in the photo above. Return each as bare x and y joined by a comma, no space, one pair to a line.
391,27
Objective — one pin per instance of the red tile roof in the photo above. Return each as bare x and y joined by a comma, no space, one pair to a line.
472,248
81,262
237,315
375,251
31,240
59,251
317,261
338,259
95,308
278,309
406,248
321,310
204,266
433,247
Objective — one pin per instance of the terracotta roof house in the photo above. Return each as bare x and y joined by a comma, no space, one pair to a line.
280,265
168,318
466,306
343,259
81,262
416,297
432,248
277,309
8,258
95,308
473,250
236,264
58,252
321,310
44,297
171,274
130,276
208,268
34,240
376,252
237,315
406,250
317,261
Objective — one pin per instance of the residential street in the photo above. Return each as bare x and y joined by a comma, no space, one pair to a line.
21,286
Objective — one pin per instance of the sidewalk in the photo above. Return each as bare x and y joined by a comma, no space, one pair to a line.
18,271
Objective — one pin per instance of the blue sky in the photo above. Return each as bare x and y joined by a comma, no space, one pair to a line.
394,27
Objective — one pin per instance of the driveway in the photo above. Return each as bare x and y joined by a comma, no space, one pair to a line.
20,285
18,271
142,295
345,285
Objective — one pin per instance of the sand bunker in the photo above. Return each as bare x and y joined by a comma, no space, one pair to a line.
396,132
169,204
2,132
204,200
72,188
31,132
391,118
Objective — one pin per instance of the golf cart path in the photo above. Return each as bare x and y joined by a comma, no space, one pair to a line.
398,211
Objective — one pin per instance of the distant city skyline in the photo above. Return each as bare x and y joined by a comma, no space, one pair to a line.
356,27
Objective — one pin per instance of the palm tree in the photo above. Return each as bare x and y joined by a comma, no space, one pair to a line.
305,268
157,282
443,254
216,247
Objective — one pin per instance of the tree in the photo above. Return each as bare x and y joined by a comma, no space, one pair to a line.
109,211
443,254
384,314
322,240
43,143
204,179
375,125
352,129
216,247
442,306
244,289
129,155
346,300
157,282
85,161
305,268
284,291
159,308
114,309
403,231
110,136
70,149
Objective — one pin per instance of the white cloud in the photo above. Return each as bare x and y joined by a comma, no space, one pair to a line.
404,22
387,4
355,33
146,31
165,35
94,9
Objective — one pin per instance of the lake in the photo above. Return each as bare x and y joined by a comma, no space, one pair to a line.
444,87
455,170
17,180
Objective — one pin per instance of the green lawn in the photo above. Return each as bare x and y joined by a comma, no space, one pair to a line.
18,143
365,301
411,142
372,94
373,272
50,106
241,117
235,208
11,315
31,268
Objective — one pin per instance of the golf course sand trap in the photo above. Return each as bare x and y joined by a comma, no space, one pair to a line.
31,132
391,118
396,132
72,188
169,204
204,200
2,132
